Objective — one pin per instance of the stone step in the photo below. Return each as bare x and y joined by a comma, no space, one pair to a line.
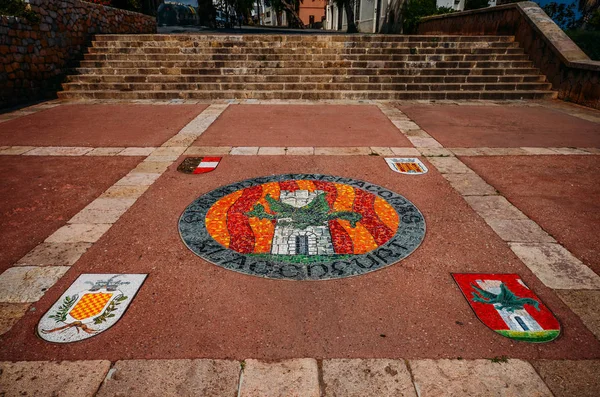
302,79
306,86
211,71
292,45
300,51
307,64
302,38
307,95
305,57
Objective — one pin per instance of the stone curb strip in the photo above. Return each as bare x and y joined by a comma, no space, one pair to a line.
184,140
28,280
304,377
553,264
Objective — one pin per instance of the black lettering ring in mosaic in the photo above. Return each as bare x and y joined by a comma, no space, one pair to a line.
302,227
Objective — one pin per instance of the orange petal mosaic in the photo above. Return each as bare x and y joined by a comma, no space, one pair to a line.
302,227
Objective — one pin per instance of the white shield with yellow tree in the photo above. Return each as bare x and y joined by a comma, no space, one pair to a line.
92,304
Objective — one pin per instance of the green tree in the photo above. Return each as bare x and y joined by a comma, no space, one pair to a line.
562,14
476,4
414,10
588,8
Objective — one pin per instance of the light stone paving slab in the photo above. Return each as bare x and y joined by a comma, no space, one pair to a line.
169,151
105,203
494,207
382,151
487,151
405,125
78,233
449,165
124,191
290,378
271,151
58,151
586,304
465,378
180,140
105,151
405,151
567,150
371,377
201,123
436,152
470,184
97,216
568,378
158,378
166,158
153,167
342,151
300,151
466,151
519,231
244,150
10,313
137,151
138,179
54,254
16,150
556,267
538,150
417,134
22,284
208,150
420,142
51,378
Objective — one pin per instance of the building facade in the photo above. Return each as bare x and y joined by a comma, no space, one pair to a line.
371,15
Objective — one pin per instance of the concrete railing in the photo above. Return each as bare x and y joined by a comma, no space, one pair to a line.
34,57
570,70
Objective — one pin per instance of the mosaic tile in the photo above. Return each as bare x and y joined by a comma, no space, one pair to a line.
91,305
302,227
506,305
407,165
198,165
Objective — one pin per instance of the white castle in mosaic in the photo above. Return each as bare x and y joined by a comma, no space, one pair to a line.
289,240
519,320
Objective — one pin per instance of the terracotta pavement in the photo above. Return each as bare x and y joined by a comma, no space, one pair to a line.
93,187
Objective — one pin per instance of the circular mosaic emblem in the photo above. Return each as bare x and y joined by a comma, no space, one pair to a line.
302,227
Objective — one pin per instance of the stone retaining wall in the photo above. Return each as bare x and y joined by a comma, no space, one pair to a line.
34,57
570,70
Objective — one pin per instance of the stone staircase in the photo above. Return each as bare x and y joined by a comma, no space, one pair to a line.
305,67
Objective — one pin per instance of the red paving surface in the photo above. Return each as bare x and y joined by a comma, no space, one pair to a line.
40,194
560,193
503,126
190,308
99,125
302,125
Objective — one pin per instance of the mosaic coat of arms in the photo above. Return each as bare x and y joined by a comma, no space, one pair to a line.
92,304
505,304
302,227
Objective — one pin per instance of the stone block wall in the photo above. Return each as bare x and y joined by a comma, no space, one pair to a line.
570,70
35,57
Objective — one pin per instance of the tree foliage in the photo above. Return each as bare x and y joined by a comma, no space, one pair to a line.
476,4
18,8
562,14
416,9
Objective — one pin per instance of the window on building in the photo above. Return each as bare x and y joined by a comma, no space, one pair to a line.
268,14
